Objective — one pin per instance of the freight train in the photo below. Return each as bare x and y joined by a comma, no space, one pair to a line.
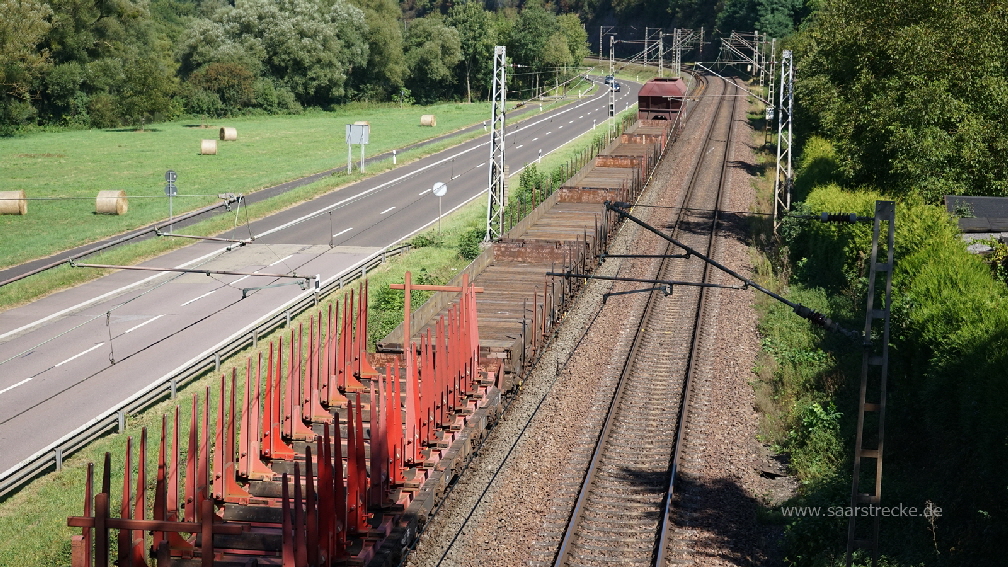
661,98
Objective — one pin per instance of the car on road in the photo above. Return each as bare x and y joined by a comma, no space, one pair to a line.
608,79
616,86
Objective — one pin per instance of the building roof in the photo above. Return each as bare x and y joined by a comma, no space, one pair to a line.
664,87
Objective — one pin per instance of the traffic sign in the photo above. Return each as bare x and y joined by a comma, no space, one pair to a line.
170,176
440,189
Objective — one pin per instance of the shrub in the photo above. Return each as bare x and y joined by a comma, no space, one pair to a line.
231,82
103,110
469,243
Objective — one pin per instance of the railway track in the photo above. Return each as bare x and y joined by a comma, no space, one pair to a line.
622,512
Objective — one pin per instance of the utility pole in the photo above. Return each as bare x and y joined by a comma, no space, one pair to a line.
601,30
646,29
770,91
784,179
677,46
612,92
700,57
495,193
755,55
661,55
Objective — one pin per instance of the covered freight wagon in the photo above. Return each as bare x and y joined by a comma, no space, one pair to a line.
661,99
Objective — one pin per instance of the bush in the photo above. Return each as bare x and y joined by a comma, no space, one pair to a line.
231,82
469,243
424,240
201,102
274,99
103,110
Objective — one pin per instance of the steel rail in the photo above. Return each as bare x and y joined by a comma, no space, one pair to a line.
694,347
603,438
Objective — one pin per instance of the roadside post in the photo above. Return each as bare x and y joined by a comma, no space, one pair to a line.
171,190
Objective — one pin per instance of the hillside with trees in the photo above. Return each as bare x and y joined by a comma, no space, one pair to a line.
110,63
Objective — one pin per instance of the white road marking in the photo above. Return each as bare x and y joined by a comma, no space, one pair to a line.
386,210
425,191
536,138
346,230
548,133
571,122
142,324
104,296
200,297
78,355
257,271
516,147
580,117
16,385
284,259
26,380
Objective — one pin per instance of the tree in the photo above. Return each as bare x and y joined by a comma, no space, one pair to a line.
913,95
385,71
475,40
777,18
577,38
532,31
23,24
305,45
432,52
147,89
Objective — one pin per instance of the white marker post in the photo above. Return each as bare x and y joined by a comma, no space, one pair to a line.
171,190
439,190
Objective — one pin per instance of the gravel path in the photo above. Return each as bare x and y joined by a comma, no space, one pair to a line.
511,498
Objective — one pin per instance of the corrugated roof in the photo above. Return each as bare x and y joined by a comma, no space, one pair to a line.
663,87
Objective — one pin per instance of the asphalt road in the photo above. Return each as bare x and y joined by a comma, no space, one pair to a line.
56,354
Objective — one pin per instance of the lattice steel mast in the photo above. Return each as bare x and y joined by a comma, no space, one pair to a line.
495,193
784,178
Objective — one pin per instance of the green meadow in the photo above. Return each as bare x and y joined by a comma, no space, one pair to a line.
75,165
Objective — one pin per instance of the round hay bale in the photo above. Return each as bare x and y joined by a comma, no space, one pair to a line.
111,203
228,134
428,120
208,148
13,203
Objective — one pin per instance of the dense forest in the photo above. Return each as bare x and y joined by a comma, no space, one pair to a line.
106,63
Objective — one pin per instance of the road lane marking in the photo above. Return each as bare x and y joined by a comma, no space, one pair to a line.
425,191
571,122
386,210
516,147
344,231
198,298
536,138
29,379
142,324
104,296
78,355
284,259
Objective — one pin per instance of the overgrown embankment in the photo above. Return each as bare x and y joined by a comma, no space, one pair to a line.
946,437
